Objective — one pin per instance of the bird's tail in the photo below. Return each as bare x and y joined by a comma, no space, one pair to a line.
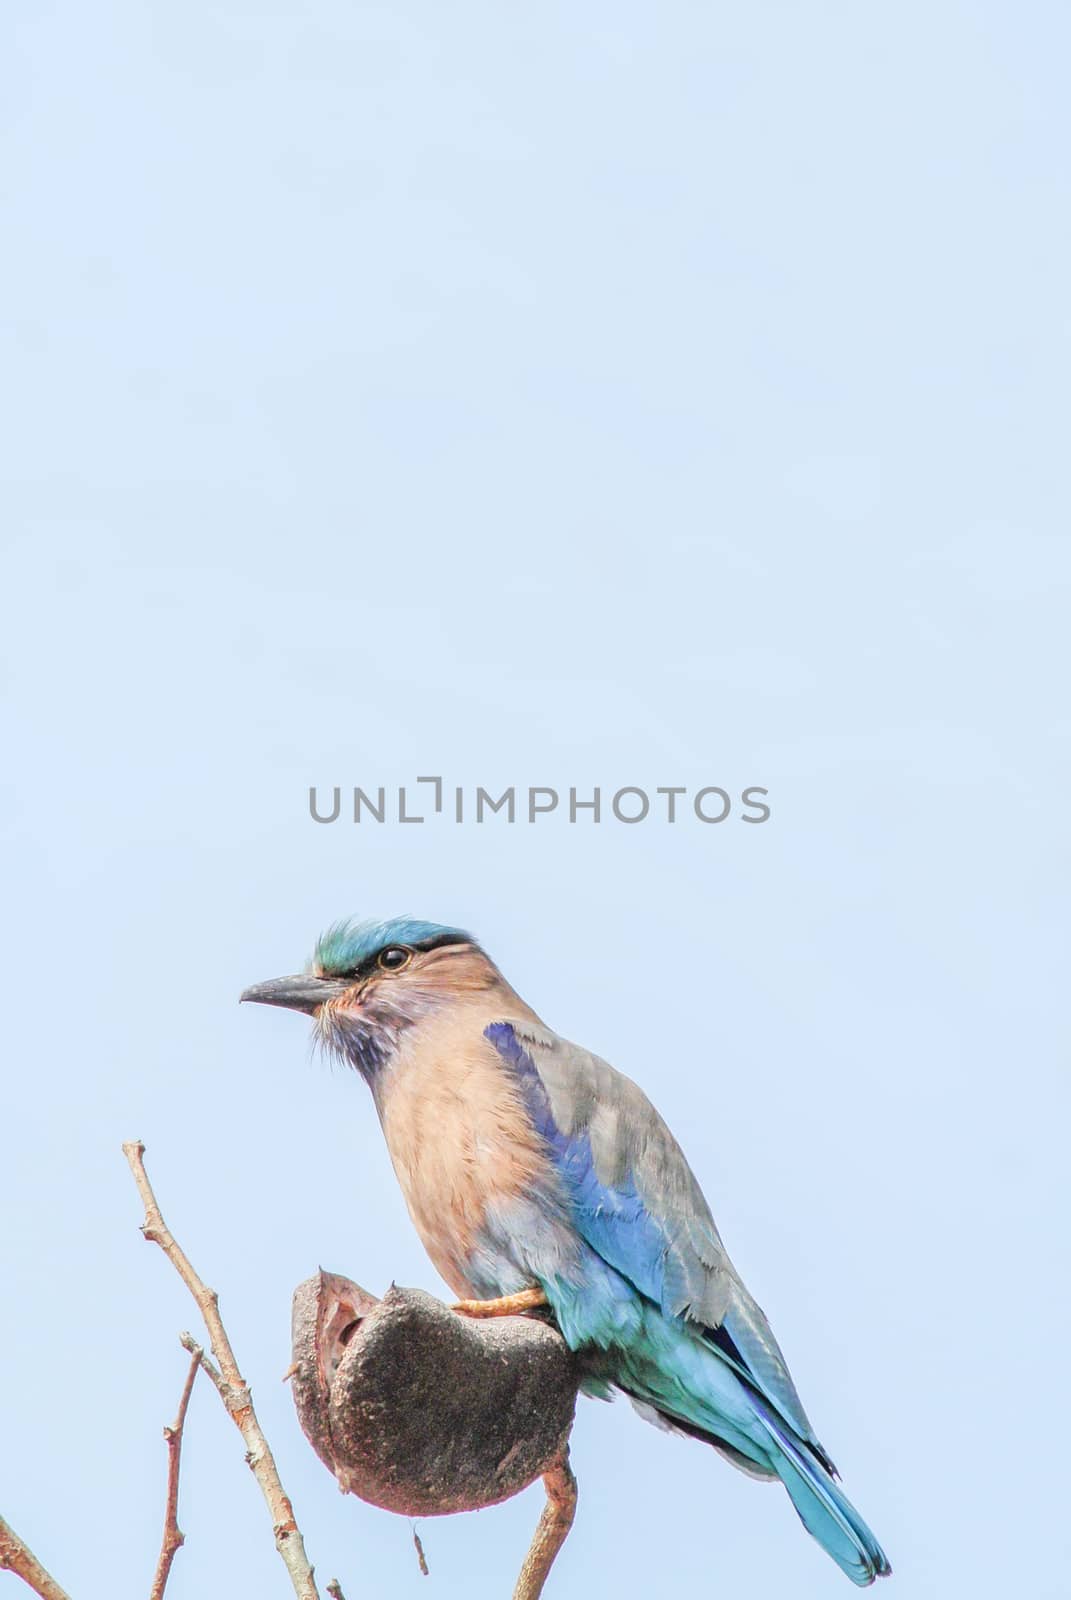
821,1505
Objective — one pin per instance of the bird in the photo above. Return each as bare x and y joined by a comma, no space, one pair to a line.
538,1176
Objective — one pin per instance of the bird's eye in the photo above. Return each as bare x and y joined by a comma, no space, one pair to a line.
394,958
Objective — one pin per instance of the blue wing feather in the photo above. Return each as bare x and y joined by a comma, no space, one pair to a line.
613,1220
649,1245
651,1237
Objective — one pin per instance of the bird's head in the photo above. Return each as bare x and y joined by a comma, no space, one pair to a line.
368,982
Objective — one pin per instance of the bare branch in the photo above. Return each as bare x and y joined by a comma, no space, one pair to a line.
174,1538
552,1530
232,1386
334,1589
18,1558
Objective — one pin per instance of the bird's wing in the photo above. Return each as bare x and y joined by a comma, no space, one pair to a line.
636,1202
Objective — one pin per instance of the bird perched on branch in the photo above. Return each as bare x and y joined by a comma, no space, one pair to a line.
535,1174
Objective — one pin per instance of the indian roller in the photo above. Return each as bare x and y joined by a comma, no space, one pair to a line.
536,1174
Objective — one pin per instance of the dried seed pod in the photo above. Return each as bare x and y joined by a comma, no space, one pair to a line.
422,1411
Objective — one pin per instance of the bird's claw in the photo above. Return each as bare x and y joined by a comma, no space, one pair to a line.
507,1305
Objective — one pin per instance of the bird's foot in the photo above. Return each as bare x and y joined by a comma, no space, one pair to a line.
508,1305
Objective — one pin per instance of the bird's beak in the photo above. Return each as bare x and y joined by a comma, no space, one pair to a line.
300,993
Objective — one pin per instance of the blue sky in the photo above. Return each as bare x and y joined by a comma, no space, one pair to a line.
649,396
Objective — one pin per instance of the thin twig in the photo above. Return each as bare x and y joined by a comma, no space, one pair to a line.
174,1538
551,1532
18,1558
334,1589
232,1386
188,1342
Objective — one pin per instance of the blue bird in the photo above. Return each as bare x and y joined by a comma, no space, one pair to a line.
534,1174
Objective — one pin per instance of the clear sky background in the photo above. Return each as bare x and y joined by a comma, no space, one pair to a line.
563,395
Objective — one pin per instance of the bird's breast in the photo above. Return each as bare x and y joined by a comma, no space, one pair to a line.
462,1144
